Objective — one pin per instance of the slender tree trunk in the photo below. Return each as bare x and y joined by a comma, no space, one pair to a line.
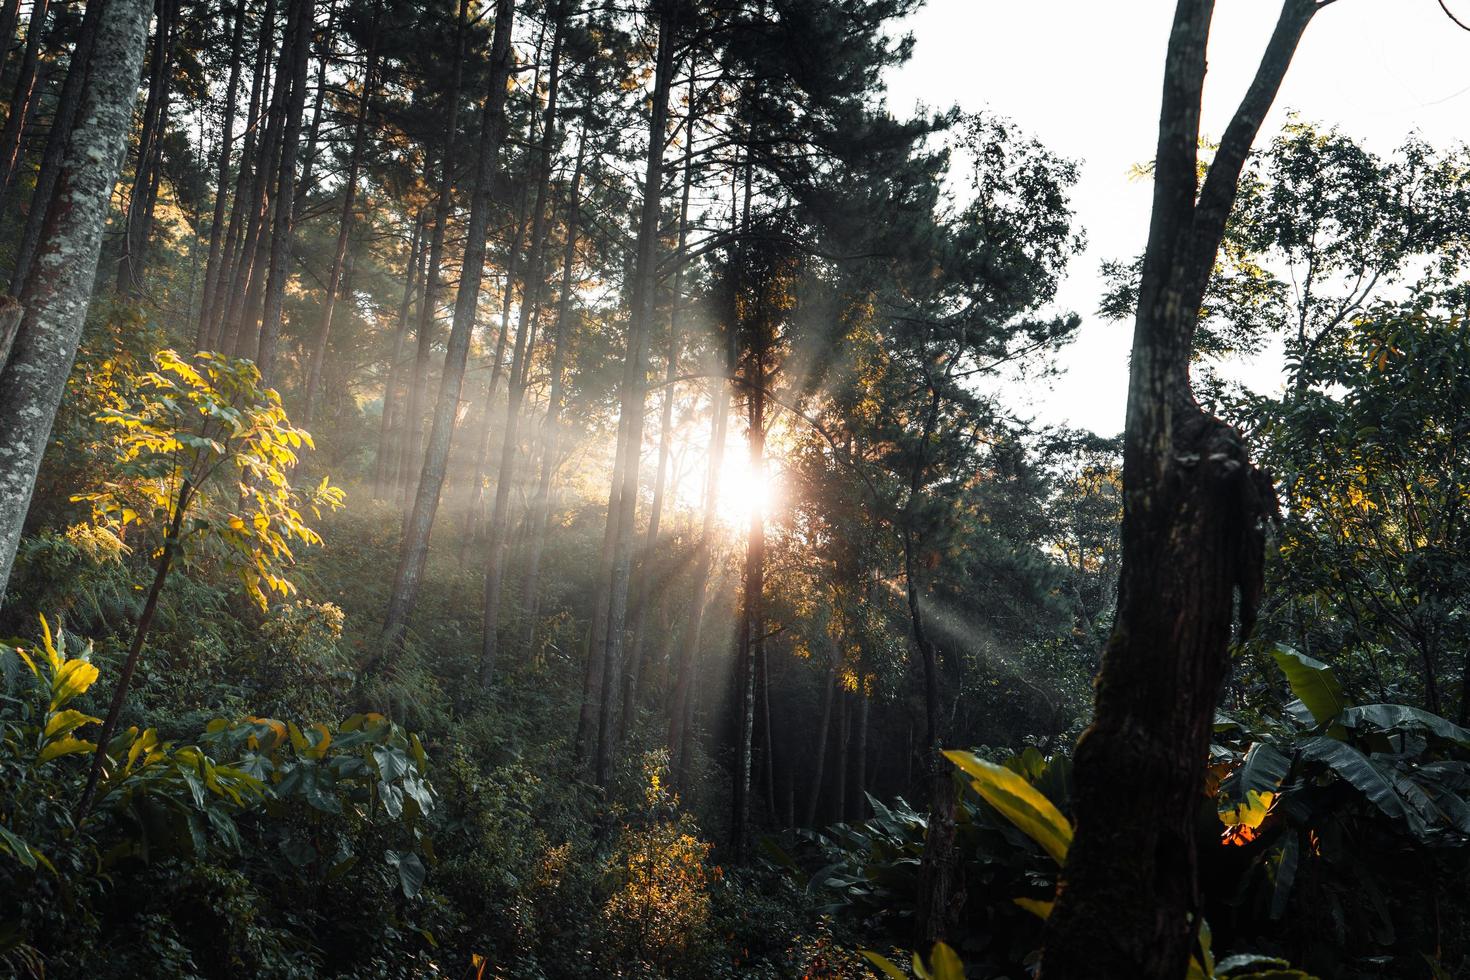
62,121
240,333
137,223
21,97
384,475
680,707
647,588
283,234
531,283
217,327
473,515
551,425
1193,549
752,615
344,227
203,336
135,650
824,731
313,131
9,16
414,552
56,298
609,646
412,442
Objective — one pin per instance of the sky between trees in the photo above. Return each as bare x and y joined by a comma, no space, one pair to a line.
1379,69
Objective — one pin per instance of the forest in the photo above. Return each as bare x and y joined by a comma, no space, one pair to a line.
535,489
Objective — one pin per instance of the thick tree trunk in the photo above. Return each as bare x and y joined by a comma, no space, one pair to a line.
313,131
344,228
1193,545
607,645
497,543
203,338
415,550
283,232
56,298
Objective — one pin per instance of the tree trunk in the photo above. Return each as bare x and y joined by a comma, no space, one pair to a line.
22,96
531,282
824,731
623,502
344,227
647,588
56,298
313,131
1192,542
203,336
137,222
135,650
752,602
386,469
62,121
551,424
240,335
414,553
411,445
216,326
283,233
680,707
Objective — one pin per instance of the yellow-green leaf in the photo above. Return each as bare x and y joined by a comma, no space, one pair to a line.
1019,802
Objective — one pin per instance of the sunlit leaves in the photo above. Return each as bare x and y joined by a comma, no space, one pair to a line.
204,436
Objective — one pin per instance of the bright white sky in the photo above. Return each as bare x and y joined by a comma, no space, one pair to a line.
1084,77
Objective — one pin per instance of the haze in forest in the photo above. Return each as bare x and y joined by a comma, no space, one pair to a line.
735,489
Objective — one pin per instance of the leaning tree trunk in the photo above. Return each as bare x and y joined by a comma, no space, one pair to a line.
56,298
414,552
1193,542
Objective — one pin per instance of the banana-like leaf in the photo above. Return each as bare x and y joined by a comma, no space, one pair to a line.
1313,682
1358,771
1394,718
1261,771
1019,802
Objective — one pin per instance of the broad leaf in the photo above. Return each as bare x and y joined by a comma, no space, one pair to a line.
1313,682
1019,802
